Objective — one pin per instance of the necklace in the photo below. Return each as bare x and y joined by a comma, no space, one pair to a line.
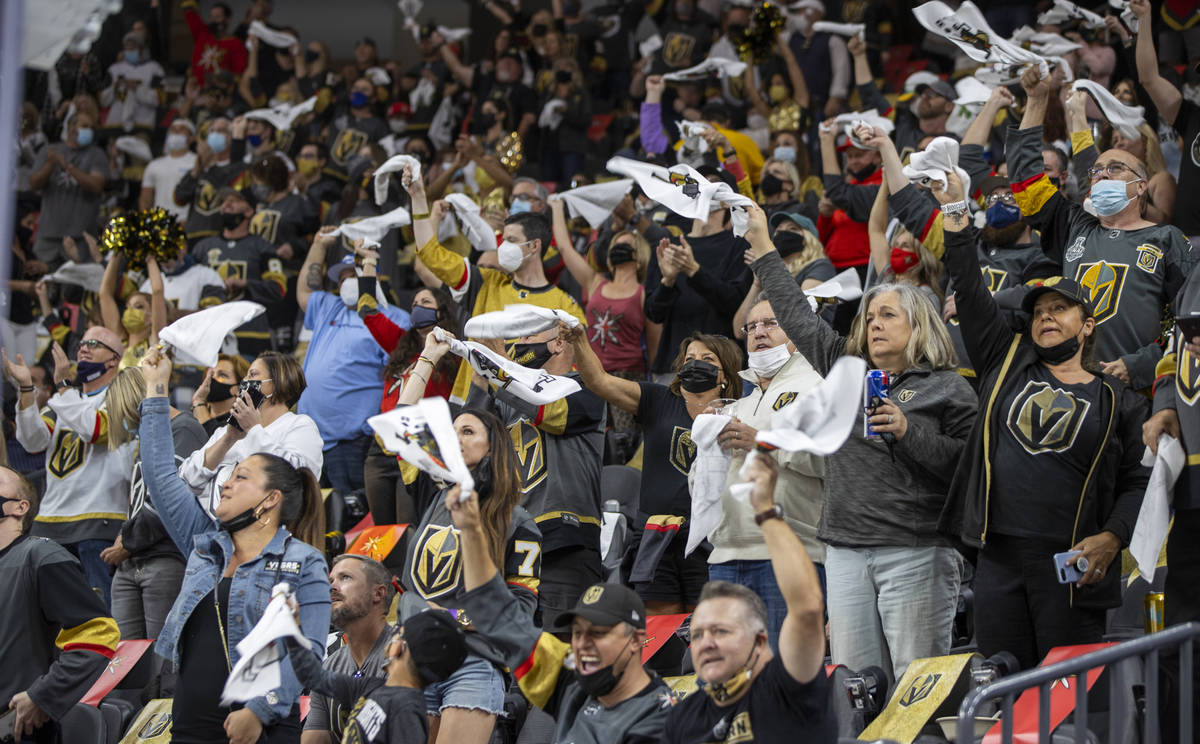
221,626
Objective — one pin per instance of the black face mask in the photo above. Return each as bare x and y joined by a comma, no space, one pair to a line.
1058,353
697,376
562,76
533,355
787,243
480,124
539,29
602,681
217,29
736,30
311,56
863,174
230,220
620,253
242,521
482,475
219,392
771,185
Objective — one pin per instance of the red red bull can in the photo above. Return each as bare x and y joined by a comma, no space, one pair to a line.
1155,602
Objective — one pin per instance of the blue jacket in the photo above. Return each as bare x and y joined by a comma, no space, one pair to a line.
207,549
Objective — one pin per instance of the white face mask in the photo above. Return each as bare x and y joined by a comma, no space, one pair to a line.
510,256
176,142
349,292
768,362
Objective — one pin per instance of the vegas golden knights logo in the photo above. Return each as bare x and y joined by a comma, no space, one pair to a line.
1148,257
1045,418
349,142
284,139
1187,377
783,400
265,224
68,455
226,269
677,50
993,278
1104,281
593,594
737,87
156,726
206,199
683,449
905,396
530,445
920,689
437,561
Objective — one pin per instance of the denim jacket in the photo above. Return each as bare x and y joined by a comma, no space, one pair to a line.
208,549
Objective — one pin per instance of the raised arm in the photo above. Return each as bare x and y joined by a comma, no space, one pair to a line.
1166,96
312,273
158,299
418,379
109,311
464,74
799,87
881,252
981,126
624,394
575,263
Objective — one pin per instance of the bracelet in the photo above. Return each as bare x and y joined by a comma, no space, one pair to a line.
426,359
61,384
423,378
955,208
27,388
370,261
421,216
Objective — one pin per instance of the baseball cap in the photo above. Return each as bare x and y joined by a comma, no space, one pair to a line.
400,108
939,86
244,194
335,270
606,604
436,643
991,183
1068,288
804,222
711,170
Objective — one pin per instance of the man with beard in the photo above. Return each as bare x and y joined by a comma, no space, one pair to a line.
927,114
360,594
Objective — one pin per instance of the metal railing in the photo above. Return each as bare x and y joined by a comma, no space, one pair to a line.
1148,647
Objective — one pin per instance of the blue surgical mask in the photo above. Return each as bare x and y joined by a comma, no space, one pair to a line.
520,206
358,99
85,136
1002,215
216,141
133,56
785,153
1108,196
254,140
175,142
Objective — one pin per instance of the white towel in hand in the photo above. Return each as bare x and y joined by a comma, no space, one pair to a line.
1125,119
711,466
471,223
517,320
423,436
533,386
667,187
939,156
394,164
197,337
841,29
1155,515
282,116
257,671
1065,11
372,229
268,35
711,66
966,28
595,202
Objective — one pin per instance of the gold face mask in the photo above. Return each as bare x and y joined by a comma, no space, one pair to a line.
723,692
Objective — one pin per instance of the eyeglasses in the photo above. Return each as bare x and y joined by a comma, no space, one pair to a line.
766,324
1006,197
93,344
1114,169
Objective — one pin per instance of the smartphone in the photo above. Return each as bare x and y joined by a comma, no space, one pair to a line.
253,388
1069,574
1189,326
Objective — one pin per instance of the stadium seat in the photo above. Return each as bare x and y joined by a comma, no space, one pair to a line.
622,484
118,714
538,728
84,724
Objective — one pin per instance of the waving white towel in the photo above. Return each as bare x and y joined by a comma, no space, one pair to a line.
372,229
283,115
268,35
823,418
88,275
423,436
845,286
1065,10
841,29
135,147
1131,21
966,28
711,466
596,202
383,174
1045,43
471,224
853,120
1154,517
533,386
259,654
1126,119
972,92
197,338
683,190
939,156
711,66
517,320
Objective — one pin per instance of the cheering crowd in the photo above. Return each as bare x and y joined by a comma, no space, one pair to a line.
620,244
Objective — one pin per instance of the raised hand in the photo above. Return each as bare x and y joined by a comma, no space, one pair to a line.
17,371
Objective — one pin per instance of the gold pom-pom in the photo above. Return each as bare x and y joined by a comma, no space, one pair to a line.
511,152
136,235
756,44
785,116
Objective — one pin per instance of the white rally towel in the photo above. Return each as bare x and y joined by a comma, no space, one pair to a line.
283,115
383,174
711,466
268,35
711,66
372,229
1155,515
197,337
841,29
1131,21
1065,11
259,654
853,119
552,114
972,92
533,386
1125,119
423,436
88,275
693,137
650,46
135,147
596,202
967,29
378,76
820,421
517,320
471,223
939,156
1044,42
845,286
674,187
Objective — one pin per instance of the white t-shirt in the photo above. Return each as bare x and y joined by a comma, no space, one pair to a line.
163,175
185,290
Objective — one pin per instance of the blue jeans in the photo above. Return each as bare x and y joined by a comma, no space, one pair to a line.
95,571
760,576
344,463
477,685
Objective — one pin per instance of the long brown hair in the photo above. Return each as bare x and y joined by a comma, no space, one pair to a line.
496,506
302,510
411,343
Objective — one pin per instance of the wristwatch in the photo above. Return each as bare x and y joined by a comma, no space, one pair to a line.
775,512
954,209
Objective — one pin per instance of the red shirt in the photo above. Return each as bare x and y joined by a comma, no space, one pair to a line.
387,334
209,53
846,241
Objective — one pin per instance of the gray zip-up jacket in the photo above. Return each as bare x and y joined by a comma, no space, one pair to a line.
874,497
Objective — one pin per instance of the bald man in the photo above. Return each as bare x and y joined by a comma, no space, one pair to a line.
1132,267
87,484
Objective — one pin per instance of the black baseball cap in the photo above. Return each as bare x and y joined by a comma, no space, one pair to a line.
1068,288
991,183
941,87
436,643
606,604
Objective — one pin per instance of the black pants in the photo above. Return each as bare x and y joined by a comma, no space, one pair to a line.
387,497
1021,608
566,573
1182,605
